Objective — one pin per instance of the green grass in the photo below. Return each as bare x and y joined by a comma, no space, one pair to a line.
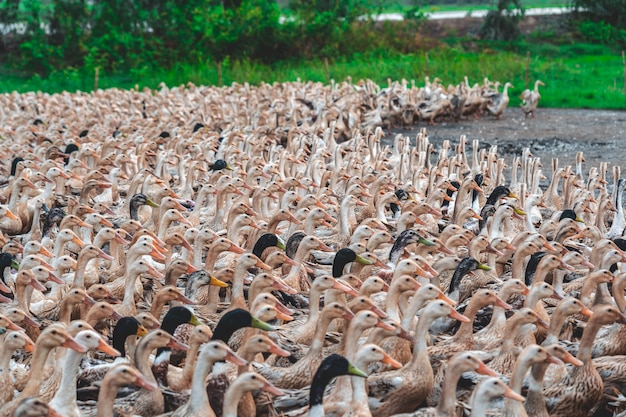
460,6
576,76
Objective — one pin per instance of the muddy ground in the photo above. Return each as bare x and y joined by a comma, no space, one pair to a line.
600,134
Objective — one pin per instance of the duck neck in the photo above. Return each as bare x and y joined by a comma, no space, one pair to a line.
416,304
106,398
556,324
447,401
392,307
79,274
36,375
535,401
157,305
237,295
320,332
466,329
190,362
128,302
231,400
65,311
199,399
66,394
585,346
142,360
6,353
618,294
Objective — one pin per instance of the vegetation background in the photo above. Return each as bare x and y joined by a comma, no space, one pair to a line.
55,45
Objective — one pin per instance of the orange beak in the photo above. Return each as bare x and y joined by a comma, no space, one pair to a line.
11,215
78,241
45,252
157,256
175,344
74,345
458,316
103,255
509,393
446,299
191,269
236,249
500,303
340,286
485,370
29,346
391,361
278,351
384,325
236,359
263,265
104,347
586,312
155,273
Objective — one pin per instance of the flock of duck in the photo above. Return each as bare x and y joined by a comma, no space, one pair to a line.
245,251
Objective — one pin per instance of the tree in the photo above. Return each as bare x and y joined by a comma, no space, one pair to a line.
501,24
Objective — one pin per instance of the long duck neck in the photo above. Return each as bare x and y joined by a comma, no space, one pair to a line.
447,402
199,399
36,375
66,395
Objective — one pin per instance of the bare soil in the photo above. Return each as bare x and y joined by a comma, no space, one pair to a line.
600,134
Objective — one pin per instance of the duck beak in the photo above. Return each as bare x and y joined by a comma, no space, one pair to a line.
519,211
340,286
236,359
458,316
260,324
485,370
11,215
186,245
267,387
556,296
157,256
236,249
104,347
280,244
106,222
13,326
55,279
353,370
29,322
45,252
445,249
4,288
116,316
78,241
37,285
579,220
550,247
152,271
277,350
119,239
500,303
263,265
509,393
103,255
83,224
4,299
493,250
151,203
195,321
425,242
569,358
587,264
541,323
87,300
484,267
175,344
586,312
362,260
406,336
29,346
388,360
324,247
281,285
74,345
15,264
183,299
141,331
383,325
191,269
622,319
142,382
554,360
446,299
283,316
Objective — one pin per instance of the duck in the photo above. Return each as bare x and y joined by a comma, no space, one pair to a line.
530,99
499,101
64,400
246,382
198,404
488,389
34,407
561,400
331,367
13,340
403,390
457,365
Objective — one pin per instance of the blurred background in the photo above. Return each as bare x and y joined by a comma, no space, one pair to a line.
574,47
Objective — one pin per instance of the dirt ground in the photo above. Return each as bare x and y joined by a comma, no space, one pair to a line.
600,134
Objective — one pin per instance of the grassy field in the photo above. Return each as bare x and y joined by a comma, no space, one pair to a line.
573,80
399,7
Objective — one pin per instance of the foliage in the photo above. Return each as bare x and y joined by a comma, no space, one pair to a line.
612,12
501,24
